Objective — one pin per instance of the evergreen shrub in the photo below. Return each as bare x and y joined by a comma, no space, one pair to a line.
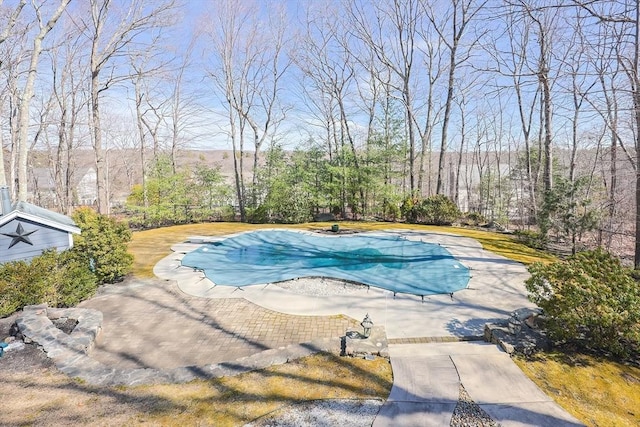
57,279
409,209
591,300
473,219
531,238
102,245
438,210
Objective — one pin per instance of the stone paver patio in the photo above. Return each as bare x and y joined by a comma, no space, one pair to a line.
153,324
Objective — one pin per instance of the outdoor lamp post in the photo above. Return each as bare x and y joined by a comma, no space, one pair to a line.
367,324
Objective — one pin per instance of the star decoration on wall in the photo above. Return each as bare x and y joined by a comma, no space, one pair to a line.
19,236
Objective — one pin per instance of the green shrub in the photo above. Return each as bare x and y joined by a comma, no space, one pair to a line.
473,218
57,279
15,282
409,209
438,210
76,282
258,215
390,209
224,213
589,299
531,238
102,245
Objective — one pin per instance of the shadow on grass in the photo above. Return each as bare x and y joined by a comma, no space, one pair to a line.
72,402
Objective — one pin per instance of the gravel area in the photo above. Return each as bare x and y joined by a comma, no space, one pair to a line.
469,414
325,413
321,286
362,413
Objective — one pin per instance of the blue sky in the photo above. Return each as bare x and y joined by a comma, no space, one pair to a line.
490,107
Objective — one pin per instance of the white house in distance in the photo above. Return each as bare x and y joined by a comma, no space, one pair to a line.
27,230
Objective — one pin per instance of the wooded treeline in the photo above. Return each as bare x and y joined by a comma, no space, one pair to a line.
521,111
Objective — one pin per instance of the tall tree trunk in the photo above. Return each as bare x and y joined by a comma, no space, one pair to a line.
6,31
27,94
237,141
426,148
548,150
143,146
445,121
463,137
98,151
636,105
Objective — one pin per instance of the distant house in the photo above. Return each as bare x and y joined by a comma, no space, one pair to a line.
42,187
86,192
27,230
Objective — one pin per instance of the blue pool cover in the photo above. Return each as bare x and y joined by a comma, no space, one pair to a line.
384,261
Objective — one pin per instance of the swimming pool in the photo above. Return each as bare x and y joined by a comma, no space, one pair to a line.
385,261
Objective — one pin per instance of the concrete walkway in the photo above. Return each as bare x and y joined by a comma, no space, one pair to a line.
426,376
426,380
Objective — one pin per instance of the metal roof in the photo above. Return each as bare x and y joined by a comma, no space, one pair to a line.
40,215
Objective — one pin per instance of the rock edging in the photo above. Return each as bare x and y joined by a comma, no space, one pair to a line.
70,353
520,333
36,325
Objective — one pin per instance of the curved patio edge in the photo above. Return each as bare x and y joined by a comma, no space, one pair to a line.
70,353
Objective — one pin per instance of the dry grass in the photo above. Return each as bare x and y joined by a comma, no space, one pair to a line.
596,391
52,398
237,400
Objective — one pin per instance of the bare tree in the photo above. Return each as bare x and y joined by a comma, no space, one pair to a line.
149,103
114,33
462,106
512,64
620,19
69,96
400,19
433,57
28,90
451,29
6,32
610,79
328,66
248,69
531,26
183,106
542,21
226,43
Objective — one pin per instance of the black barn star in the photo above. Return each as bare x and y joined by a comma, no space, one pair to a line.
19,236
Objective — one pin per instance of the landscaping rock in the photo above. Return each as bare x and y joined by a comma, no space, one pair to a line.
357,346
519,334
15,345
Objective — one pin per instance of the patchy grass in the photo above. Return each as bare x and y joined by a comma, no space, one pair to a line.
596,391
233,401
53,398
